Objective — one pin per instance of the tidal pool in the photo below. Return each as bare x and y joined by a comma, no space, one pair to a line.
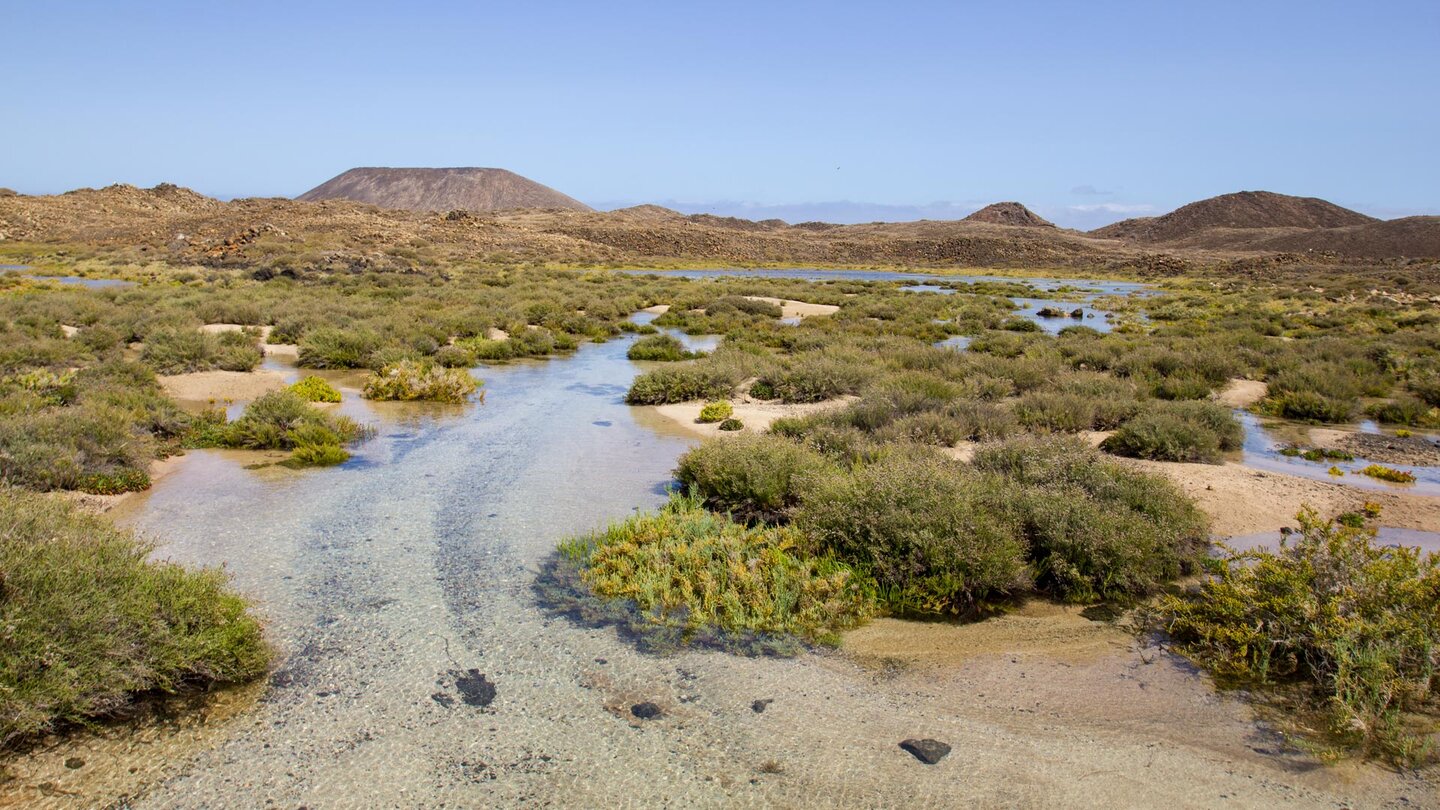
74,281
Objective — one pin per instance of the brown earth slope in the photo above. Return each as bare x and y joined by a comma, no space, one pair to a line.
1244,209
1009,213
471,189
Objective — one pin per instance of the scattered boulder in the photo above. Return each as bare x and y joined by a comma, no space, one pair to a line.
1051,312
1077,312
927,751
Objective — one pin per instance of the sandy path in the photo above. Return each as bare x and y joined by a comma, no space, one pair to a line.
796,309
1241,500
757,416
219,386
1242,393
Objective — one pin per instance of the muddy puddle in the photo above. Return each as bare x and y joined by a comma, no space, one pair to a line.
1265,438
416,668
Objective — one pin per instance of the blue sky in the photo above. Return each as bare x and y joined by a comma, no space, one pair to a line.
1088,112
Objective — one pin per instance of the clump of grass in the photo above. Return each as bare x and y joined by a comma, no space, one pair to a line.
662,348
89,620
715,412
315,389
410,380
180,351
1177,431
1405,411
1348,625
1316,453
331,347
729,425
688,568
1390,474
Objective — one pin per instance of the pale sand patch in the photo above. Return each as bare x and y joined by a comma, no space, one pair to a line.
290,350
496,334
70,331
1242,393
1328,438
219,386
1053,630
757,416
217,328
796,309
658,309
1241,500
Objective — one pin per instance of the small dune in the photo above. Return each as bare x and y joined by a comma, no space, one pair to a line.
796,309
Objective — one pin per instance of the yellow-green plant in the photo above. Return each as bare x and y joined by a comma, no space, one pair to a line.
315,389
715,412
1389,474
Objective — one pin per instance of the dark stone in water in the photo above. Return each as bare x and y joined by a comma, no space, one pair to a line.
443,699
74,763
646,710
927,751
602,423
475,690
759,705
1077,313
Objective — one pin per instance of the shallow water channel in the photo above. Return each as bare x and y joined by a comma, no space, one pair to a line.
417,667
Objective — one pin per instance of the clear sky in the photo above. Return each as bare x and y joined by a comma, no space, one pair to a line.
1086,111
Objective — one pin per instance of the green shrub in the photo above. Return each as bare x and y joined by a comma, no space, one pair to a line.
456,357
936,536
1308,406
181,351
687,568
1178,431
731,425
329,347
114,483
1404,411
318,455
281,420
89,621
417,380
715,412
681,384
753,476
731,304
659,347
315,389
1095,529
1350,623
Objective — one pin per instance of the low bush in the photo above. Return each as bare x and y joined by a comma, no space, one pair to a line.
1404,411
181,351
681,384
1347,623
687,568
330,347
315,389
89,620
715,412
1177,431
731,425
661,348
410,380
753,476
281,420
937,536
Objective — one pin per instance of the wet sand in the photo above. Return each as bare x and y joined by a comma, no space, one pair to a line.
796,309
205,387
757,416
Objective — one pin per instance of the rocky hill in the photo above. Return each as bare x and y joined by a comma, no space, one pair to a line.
1009,213
467,189
1241,210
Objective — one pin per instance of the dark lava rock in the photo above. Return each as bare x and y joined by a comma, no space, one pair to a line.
1077,313
475,690
74,763
927,751
646,710
759,705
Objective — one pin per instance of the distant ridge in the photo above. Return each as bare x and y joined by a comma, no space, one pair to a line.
1242,210
471,189
1009,213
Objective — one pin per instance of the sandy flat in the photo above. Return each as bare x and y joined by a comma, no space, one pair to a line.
1241,500
219,386
1241,393
496,334
658,309
796,309
70,331
757,416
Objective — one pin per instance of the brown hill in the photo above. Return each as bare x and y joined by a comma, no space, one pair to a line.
1409,237
470,189
1241,210
1009,213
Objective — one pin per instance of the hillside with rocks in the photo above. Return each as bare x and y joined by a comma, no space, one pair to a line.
1009,213
465,189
